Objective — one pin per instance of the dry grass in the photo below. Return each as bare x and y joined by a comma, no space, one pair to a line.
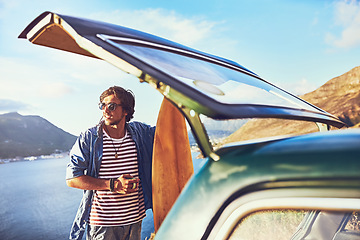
261,128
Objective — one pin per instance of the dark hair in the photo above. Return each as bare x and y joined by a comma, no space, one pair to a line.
126,97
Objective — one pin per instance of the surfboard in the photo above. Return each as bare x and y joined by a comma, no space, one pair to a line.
172,163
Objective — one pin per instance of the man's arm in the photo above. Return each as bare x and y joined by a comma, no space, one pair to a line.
124,184
88,183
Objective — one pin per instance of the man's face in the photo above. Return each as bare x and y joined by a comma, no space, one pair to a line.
116,116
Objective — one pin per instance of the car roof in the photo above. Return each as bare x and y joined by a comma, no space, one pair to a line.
210,85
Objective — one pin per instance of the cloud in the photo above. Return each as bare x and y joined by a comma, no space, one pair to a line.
347,16
164,23
299,87
8,105
6,6
27,78
195,31
304,86
54,89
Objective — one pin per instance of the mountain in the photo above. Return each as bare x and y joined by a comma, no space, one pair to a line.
339,96
22,136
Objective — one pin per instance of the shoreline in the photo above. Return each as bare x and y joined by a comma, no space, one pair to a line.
34,158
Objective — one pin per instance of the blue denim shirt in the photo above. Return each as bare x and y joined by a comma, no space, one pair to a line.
85,159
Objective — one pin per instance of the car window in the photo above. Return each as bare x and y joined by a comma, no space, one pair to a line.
271,224
222,132
223,82
298,224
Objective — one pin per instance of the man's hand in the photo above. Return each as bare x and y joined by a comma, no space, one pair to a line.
126,184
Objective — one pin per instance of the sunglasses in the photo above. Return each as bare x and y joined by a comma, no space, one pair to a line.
111,106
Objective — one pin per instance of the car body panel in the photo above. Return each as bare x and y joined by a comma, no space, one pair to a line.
310,161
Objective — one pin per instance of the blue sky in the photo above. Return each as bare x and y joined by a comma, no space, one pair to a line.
297,45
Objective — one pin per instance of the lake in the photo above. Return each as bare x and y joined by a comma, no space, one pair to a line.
37,204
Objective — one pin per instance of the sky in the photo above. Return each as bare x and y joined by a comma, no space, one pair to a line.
296,45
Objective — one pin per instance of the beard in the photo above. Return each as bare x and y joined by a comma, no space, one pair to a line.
115,122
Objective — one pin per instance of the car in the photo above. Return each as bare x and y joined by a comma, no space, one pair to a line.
304,186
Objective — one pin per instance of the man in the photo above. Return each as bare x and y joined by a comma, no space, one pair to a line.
112,163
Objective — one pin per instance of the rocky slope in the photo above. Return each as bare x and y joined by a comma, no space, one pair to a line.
340,96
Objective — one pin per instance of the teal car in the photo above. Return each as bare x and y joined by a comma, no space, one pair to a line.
288,187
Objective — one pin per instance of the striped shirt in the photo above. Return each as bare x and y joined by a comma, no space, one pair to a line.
110,208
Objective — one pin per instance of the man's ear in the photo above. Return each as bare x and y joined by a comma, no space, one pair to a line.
125,114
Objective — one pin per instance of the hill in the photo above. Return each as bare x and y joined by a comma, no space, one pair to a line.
339,96
22,136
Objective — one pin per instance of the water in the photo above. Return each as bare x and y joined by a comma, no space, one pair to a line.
37,204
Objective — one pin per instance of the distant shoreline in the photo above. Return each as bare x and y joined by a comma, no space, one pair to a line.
34,158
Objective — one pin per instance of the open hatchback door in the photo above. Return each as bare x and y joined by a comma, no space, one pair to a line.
196,82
